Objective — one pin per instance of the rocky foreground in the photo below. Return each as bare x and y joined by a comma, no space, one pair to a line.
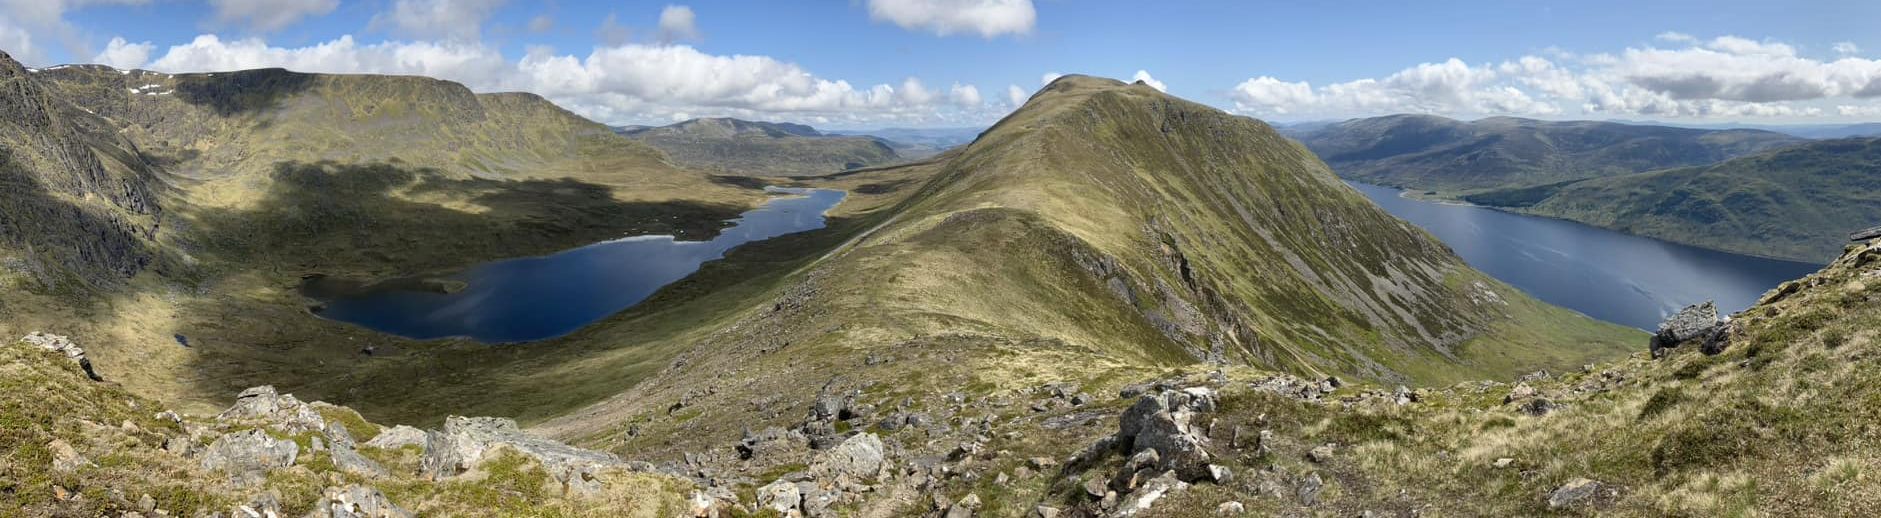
1769,411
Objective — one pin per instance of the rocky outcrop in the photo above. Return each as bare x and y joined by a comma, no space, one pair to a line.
397,437
349,460
284,411
1699,322
861,457
78,197
780,496
356,502
63,345
465,441
247,456
1162,424
1141,499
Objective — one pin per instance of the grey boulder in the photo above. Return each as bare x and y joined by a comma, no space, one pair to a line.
247,456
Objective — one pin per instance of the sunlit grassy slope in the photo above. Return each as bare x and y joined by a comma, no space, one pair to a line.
1102,232
1105,228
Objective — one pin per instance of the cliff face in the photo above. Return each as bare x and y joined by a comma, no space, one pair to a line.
79,203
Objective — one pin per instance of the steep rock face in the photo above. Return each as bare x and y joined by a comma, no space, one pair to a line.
77,201
1435,153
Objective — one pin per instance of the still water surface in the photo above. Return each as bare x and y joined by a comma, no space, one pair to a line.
1620,278
536,298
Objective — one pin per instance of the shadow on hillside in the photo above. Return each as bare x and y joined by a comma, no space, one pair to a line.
62,245
382,220
234,93
388,217
746,182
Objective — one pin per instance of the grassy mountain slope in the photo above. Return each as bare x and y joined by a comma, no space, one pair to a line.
1106,236
1798,203
265,176
1432,153
1101,232
1781,422
763,148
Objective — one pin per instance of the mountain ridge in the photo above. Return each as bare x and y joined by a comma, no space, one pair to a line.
1796,203
763,148
1427,152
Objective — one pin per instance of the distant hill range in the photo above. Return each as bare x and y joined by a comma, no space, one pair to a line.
1796,203
918,143
1431,153
762,148
1871,129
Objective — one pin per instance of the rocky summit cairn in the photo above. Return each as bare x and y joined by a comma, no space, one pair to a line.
62,345
1695,322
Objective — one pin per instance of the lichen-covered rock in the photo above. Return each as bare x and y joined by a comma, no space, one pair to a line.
247,456
1153,490
1309,488
281,411
397,437
1574,493
356,502
1164,422
350,461
1698,321
65,458
780,496
464,441
860,457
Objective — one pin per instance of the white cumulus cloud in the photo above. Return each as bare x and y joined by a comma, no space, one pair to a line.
614,84
1016,95
678,23
965,95
987,18
269,15
25,26
1846,48
1722,77
460,20
123,54
1144,76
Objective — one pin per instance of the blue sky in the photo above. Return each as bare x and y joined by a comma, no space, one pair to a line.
860,63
